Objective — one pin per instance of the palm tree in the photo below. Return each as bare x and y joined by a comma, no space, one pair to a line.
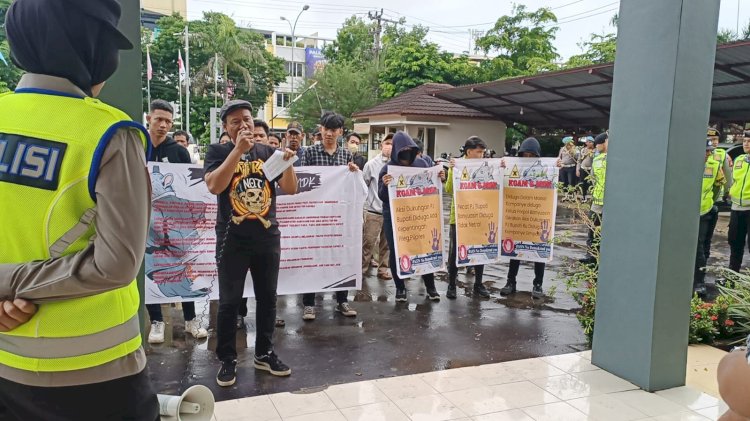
230,50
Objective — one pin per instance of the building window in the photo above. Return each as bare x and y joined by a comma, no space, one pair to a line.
283,99
296,70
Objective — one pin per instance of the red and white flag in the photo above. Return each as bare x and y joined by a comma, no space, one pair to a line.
180,66
149,69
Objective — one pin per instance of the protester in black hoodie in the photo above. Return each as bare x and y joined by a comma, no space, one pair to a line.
404,154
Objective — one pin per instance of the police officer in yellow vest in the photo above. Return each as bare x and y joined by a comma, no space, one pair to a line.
740,216
598,177
713,176
74,197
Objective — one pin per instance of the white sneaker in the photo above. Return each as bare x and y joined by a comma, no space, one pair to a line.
195,329
346,310
309,313
156,336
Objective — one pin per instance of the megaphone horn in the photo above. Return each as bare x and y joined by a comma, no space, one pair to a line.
195,404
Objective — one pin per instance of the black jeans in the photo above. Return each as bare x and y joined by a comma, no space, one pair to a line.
737,237
453,268
584,182
428,279
128,398
593,240
538,271
705,234
568,176
237,255
154,311
221,232
308,299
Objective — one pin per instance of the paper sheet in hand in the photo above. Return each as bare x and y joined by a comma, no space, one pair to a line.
275,165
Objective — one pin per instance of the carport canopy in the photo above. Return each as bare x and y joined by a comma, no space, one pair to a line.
581,97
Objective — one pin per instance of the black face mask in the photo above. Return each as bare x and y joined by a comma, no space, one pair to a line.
53,37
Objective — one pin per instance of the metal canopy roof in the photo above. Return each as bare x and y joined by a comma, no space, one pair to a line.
581,97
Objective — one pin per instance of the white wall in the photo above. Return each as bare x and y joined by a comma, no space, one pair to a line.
450,138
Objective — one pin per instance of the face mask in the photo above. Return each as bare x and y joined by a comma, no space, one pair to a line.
353,148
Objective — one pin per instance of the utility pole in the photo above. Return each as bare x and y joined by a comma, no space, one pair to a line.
474,34
378,16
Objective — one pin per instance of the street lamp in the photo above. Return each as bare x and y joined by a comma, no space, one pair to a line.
294,42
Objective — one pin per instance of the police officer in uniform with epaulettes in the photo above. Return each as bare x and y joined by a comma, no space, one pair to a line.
74,196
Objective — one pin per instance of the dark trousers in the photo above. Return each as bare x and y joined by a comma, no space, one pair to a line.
737,237
538,271
308,300
705,234
429,279
221,233
127,398
452,268
568,176
584,182
154,311
238,254
594,238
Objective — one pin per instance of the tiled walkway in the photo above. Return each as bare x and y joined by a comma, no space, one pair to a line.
558,388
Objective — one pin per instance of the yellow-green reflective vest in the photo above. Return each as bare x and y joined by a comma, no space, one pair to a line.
710,174
740,190
599,170
51,146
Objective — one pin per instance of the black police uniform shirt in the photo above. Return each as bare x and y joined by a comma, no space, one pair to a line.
247,207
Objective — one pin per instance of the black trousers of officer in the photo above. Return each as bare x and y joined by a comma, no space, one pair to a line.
568,176
593,241
584,182
737,237
705,234
129,398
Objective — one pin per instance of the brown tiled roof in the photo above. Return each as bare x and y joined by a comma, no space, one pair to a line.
419,101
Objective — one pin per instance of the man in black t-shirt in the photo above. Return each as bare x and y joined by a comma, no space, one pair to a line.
247,216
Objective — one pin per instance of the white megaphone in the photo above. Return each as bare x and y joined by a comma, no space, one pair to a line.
195,404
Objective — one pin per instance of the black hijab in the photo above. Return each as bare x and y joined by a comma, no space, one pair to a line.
74,39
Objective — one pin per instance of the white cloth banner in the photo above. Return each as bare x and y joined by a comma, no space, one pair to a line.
321,234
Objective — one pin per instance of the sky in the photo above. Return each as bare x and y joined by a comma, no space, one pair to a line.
450,21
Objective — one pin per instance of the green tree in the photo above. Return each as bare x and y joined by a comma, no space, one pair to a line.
9,73
354,42
726,35
599,49
227,49
523,43
343,87
409,61
243,61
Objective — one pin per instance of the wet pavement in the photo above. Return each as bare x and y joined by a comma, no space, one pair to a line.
393,339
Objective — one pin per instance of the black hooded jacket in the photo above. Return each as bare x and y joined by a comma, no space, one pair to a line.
401,142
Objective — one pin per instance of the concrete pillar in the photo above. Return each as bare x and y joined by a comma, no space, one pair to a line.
660,107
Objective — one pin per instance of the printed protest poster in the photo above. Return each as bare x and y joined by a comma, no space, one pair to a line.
529,207
321,234
180,247
477,184
416,197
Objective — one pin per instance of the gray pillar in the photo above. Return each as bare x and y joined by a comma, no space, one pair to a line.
124,89
660,107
